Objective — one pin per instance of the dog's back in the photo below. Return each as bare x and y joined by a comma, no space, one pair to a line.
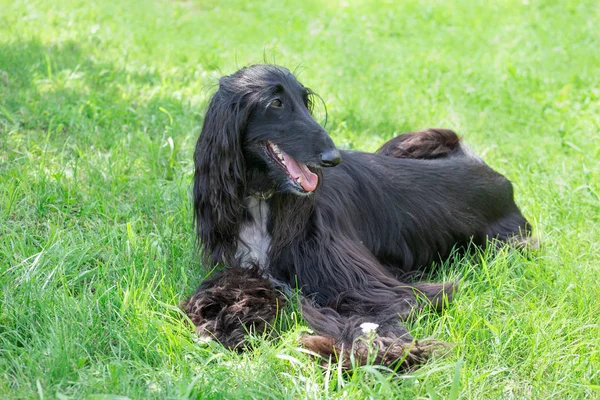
412,211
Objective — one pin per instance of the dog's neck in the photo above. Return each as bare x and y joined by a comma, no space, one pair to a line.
258,184
263,195
289,213
290,216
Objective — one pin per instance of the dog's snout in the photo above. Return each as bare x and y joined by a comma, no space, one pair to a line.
331,158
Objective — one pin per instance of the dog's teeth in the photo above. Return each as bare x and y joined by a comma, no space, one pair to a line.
275,148
277,151
299,180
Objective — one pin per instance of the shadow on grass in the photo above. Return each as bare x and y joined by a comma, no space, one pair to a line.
63,87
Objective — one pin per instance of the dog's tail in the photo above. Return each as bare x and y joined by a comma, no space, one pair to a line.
427,144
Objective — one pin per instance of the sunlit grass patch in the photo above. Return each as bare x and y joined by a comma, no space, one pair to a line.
100,107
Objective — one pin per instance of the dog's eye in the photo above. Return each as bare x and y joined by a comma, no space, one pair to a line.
276,103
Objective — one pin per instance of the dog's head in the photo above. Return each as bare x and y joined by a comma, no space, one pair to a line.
281,137
258,135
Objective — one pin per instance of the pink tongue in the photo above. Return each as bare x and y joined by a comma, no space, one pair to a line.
296,170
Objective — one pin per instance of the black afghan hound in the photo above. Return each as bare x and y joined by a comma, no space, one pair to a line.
269,207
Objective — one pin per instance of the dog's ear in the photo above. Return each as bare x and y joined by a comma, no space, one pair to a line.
220,177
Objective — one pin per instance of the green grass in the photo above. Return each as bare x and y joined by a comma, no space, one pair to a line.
100,106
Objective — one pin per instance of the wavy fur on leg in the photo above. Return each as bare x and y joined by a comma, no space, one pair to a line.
396,354
357,340
233,304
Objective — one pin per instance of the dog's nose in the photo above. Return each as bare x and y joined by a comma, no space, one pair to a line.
331,158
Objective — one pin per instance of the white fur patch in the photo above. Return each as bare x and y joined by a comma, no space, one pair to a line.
254,239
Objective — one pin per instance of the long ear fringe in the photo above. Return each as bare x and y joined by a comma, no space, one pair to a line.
219,180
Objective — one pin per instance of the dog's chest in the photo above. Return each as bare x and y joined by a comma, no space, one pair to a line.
254,239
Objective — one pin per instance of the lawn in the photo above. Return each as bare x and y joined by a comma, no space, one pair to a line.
100,106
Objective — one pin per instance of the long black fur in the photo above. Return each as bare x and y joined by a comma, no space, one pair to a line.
372,219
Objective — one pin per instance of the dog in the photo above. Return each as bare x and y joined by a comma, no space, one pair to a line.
277,202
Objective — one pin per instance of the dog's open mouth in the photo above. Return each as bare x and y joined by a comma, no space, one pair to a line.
298,172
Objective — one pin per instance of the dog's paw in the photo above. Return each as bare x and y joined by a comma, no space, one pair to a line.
396,354
233,305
